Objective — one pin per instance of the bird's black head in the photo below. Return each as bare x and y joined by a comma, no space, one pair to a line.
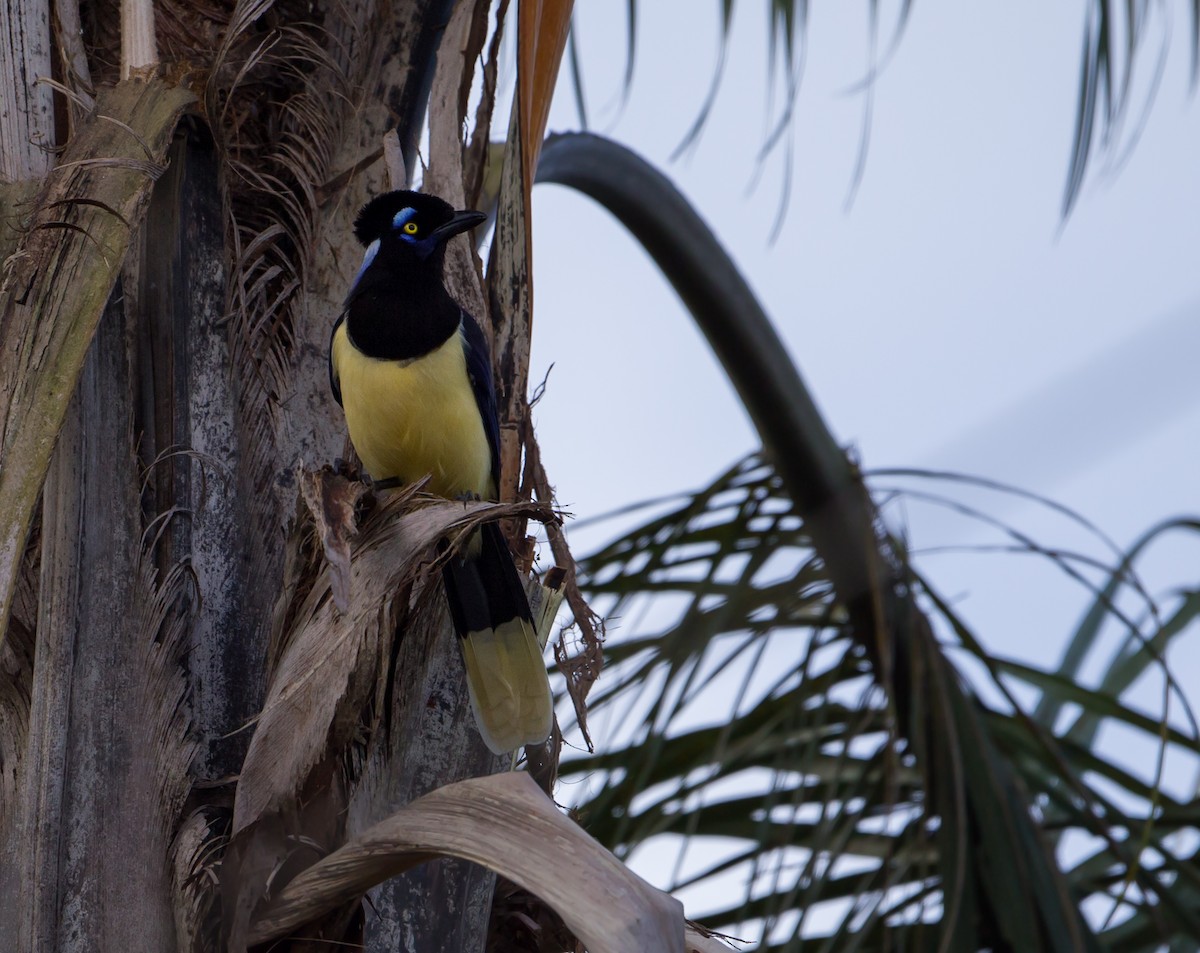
411,222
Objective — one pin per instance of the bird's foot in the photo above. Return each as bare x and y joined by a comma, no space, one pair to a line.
344,468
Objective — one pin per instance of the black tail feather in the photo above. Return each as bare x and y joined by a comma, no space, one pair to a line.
506,673
484,589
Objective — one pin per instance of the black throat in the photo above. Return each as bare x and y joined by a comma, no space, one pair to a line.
399,309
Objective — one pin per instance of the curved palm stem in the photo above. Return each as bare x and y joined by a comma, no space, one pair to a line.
972,789
826,488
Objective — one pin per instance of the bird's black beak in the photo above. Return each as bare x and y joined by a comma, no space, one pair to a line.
459,222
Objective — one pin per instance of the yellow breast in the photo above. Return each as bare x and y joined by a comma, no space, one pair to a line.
409,419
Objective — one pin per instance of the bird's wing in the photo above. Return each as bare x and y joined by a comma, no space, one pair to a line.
479,370
334,384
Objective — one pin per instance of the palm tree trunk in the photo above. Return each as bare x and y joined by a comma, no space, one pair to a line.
138,652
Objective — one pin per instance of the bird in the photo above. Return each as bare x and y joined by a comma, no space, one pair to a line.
412,371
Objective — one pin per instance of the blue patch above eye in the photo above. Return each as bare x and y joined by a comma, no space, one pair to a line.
402,217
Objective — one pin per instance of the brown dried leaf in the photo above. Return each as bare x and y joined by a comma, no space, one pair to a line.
332,500
503,822
542,36
542,29
700,939
328,667
444,177
393,158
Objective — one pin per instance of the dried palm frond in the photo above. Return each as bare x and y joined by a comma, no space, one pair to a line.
504,822
66,266
347,688
327,666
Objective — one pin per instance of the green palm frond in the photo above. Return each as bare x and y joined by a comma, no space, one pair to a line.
1122,65
979,811
749,739
1113,100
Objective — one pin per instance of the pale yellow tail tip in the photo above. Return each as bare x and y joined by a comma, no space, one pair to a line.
510,691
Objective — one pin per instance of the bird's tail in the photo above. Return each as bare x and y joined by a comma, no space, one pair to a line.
506,674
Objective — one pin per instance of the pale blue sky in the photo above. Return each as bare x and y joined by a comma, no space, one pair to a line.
948,319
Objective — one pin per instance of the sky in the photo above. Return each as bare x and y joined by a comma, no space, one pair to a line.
947,318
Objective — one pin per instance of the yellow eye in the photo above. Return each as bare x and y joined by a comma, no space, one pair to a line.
410,228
